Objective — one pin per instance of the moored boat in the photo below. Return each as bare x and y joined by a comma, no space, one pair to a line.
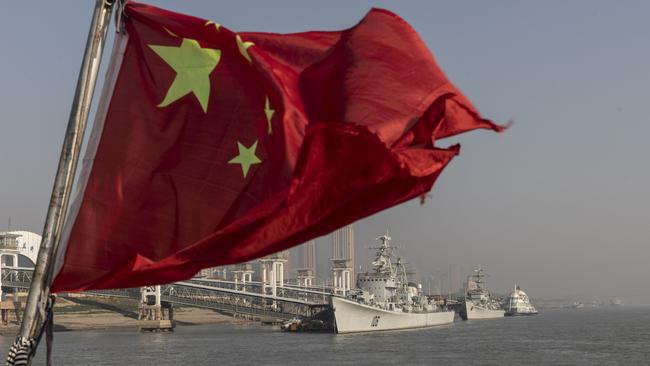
385,300
478,303
518,303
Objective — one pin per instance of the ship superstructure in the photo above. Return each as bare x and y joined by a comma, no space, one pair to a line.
385,300
478,304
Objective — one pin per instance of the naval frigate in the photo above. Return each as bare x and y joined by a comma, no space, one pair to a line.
478,304
384,299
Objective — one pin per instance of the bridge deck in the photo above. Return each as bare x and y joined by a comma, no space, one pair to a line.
213,294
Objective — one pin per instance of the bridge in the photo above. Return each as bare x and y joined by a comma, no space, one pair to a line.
16,277
249,299
272,298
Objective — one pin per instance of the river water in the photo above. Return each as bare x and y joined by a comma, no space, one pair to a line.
589,336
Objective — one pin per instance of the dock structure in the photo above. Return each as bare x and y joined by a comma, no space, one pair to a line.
267,297
11,307
15,244
253,303
19,243
154,316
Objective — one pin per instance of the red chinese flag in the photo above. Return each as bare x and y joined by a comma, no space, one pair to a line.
212,147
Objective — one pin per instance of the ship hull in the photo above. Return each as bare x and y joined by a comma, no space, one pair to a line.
472,312
521,313
352,317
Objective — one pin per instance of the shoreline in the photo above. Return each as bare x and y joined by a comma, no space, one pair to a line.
106,315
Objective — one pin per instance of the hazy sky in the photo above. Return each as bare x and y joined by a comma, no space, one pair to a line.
560,203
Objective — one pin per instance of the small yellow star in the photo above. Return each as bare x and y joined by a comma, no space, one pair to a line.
193,66
246,157
216,25
243,48
170,32
269,115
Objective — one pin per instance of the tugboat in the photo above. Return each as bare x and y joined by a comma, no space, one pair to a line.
477,303
384,299
518,303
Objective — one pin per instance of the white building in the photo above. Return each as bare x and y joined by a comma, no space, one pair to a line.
24,243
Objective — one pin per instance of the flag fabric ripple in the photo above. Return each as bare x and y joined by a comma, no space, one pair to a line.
212,147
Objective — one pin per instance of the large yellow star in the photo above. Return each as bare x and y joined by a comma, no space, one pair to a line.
246,157
193,66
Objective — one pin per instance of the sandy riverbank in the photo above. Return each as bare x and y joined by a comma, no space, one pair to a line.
96,313
112,320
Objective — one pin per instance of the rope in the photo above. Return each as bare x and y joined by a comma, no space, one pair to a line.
20,352
23,349
49,330
119,16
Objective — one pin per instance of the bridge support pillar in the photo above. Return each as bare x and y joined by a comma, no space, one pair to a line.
243,274
8,306
154,315
273,274
248,276
280,271
274,281
342,276
305,277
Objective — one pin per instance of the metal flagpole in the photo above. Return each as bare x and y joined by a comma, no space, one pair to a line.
35,315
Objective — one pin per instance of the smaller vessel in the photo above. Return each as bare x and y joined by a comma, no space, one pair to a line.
518,303
616,301
578,305
478,304
306,325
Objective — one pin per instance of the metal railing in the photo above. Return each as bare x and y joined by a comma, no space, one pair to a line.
16,277
223,296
